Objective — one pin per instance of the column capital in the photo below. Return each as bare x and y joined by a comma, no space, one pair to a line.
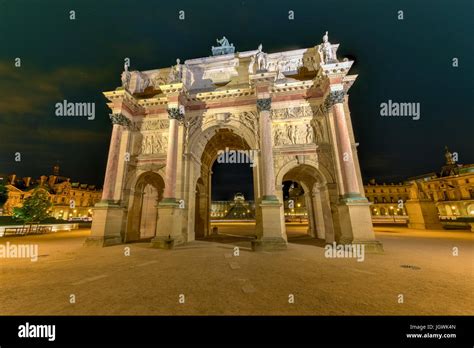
175,114
264,104
334,97
121,120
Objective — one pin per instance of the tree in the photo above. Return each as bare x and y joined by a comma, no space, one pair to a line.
34,209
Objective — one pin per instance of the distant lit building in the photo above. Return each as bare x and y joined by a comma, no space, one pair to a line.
387,199
69,199
238,209
450,192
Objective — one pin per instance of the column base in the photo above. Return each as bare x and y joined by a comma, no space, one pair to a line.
273,235
270,199
107,224
353,198
165,243
169,229
269,244
356,224
370,246
103,241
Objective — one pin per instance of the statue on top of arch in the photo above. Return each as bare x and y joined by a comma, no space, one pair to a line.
176,73
326,51
224,48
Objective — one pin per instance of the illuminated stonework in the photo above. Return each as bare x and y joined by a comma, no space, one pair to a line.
290,107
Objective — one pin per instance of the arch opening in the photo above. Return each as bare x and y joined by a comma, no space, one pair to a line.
307,204
143,214
221,208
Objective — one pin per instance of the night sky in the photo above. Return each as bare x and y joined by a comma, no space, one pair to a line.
406,60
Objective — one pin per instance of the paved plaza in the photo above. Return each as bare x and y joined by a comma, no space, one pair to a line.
210,280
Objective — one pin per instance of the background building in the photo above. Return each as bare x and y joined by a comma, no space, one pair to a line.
433,200
69,199
237,209
388,202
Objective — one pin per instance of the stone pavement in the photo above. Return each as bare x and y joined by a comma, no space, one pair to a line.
205,277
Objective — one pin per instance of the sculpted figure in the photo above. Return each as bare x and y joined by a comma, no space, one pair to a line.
125,77
292,134
279,69
223,42
261,58
251,65
309,134
300,134
326,52
278,136
449,156
175,74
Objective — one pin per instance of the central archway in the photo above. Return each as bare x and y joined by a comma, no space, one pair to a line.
222,142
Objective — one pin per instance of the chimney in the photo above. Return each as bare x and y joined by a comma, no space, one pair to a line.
56,170
27,181
12,179
43,179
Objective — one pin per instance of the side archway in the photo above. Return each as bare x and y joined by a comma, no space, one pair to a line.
318,197
143,213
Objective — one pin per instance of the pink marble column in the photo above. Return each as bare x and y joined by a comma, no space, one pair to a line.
172,155
119,122
346,158
264,107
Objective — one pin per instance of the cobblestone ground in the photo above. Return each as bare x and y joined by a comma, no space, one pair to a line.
213,281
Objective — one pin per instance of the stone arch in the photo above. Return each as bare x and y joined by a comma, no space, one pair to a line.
199,140
318,197
205,146
134,175
322,175
146,192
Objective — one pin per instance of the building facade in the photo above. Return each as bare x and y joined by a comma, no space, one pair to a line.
289,108
447,197
69,199
237,209
388,202
435,200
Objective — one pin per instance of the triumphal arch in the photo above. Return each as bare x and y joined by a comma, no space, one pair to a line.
169,125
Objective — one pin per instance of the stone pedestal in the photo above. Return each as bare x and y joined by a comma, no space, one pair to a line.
356,224
162,243
423,215
106,225
169,226
273,237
